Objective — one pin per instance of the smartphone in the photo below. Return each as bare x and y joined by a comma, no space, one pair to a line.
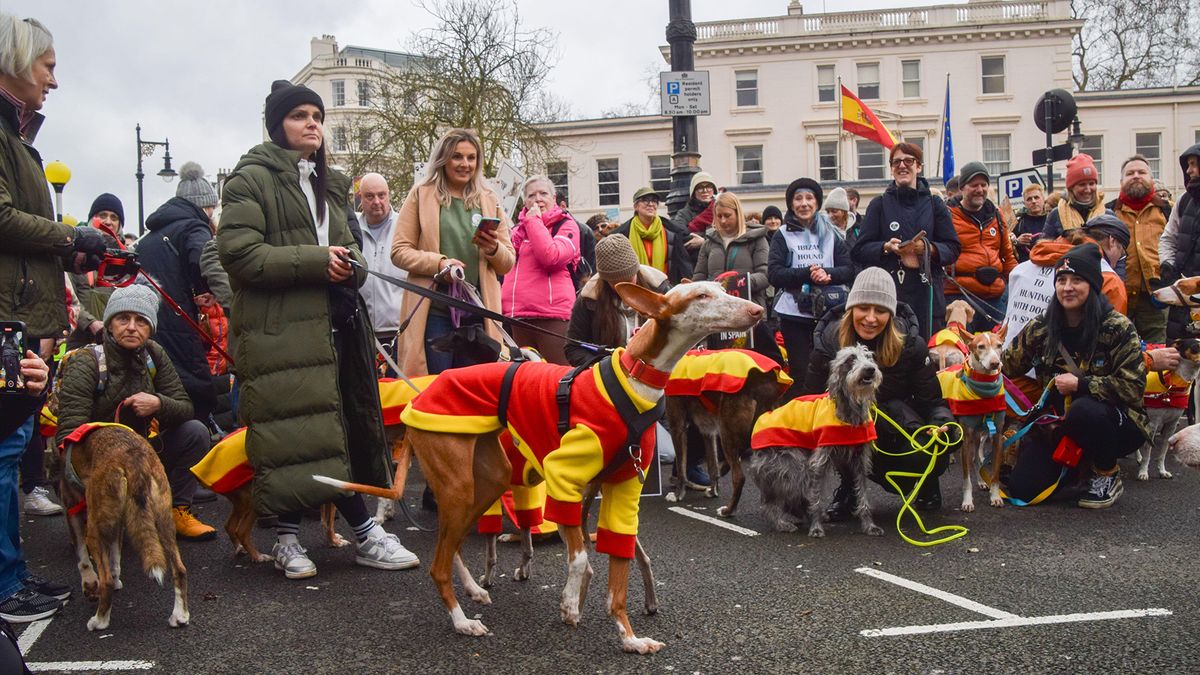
12,350
489,224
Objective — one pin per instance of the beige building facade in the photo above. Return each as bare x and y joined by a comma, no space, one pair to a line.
776,115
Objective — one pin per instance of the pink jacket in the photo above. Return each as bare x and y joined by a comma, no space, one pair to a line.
539,286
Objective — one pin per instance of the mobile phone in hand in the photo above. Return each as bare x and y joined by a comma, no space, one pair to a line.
12,350
489,224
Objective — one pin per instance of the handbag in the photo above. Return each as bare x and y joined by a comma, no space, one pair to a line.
815,300
986,275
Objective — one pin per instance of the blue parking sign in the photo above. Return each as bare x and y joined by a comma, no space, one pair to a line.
673,88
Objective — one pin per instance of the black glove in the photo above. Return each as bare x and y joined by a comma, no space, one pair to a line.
1167,274
89,240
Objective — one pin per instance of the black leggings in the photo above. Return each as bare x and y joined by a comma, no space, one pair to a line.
352,508
798,341
1103,431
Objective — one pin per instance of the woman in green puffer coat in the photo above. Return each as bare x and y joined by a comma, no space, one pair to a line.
301,344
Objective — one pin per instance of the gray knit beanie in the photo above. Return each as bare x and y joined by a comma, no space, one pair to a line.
615,259
135,298
873,286
194,187
837,199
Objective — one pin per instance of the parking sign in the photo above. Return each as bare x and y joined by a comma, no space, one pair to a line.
1011,185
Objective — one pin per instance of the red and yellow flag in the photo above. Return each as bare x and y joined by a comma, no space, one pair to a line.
858,119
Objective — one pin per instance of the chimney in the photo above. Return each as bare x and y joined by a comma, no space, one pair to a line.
326,45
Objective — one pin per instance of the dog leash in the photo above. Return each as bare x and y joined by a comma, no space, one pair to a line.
975,300
938,444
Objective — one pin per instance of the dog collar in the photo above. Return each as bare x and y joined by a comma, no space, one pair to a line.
644,372
979,377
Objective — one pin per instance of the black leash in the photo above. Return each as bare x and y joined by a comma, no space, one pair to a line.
976,301
439,297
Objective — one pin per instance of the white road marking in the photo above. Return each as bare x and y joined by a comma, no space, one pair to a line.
940,595
31,635
1017,621
59,666
1001,619
714,521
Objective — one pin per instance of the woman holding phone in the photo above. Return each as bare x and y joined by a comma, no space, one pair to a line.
449,219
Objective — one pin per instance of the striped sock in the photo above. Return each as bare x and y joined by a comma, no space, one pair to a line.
287,533
363,530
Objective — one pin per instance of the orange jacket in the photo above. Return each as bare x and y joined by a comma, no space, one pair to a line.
1048,253
986,245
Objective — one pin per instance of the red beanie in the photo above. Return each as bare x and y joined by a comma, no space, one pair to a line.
1079,169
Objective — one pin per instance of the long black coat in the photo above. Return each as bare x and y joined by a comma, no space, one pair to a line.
170,252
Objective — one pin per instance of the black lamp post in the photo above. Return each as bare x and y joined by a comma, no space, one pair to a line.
685,155
145,149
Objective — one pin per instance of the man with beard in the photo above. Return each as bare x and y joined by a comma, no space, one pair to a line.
1177,248
980,274
1084,199
1138,207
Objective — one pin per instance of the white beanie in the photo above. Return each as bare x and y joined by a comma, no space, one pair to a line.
873,286
837,199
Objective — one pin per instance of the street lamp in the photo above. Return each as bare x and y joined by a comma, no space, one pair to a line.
1076,138
58,175
145,149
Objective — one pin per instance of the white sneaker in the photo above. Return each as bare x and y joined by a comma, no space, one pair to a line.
385,552
293,560
38,503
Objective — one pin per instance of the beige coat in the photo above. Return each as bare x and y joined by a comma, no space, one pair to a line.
416,247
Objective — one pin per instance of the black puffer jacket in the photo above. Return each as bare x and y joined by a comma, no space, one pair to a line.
909,386
170,252
679,261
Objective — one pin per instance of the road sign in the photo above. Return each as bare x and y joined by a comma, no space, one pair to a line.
1012,185
1062,152
684,92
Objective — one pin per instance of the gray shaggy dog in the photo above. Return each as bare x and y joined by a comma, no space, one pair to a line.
791,479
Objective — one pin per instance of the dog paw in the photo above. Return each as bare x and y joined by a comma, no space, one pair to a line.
521,573
724,512
473,627
651,607
338,541
179,620
641,645
480,596
816,532
873,530
261,558
785,526
118,584
1143,475
967,507
569,613
997,502
96,623
1165,474
672,497
981,485
486,580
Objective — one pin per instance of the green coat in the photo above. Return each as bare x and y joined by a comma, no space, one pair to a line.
128,374
32,287
283,350
1115,372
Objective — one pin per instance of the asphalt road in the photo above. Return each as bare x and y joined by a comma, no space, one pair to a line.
729,602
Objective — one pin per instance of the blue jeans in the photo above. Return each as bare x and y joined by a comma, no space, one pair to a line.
437,325
12,561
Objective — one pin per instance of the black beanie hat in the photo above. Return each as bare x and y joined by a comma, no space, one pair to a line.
772,211
283,98
806,184
1082,261
107,202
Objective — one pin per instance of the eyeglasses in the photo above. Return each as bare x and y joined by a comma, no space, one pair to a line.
706,188
906,161
648,200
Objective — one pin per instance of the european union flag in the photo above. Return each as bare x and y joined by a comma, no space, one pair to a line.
947,140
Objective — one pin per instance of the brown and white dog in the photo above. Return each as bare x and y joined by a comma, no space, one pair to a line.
975,394
1166,400
948,345
469,471
115,487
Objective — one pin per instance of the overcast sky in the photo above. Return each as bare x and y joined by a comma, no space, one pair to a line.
197,72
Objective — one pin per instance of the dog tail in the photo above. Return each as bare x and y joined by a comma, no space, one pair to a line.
147,517
402,455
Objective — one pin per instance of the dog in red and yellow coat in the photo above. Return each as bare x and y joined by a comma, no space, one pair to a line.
1166,400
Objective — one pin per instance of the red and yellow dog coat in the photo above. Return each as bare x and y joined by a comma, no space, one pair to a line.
723,371
467,401
966,400
808,422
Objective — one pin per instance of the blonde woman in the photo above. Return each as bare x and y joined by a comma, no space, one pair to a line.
733,245
442,223
909,393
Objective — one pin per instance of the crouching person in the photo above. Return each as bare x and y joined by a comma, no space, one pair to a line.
910,393
129,378
1090,357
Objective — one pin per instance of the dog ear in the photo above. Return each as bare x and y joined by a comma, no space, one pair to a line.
643,300
1003,332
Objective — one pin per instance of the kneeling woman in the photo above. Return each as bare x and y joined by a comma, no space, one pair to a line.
909,394
1090,357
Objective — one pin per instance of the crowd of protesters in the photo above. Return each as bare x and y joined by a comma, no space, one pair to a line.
279,283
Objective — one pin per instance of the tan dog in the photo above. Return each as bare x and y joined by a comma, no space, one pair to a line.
116,487
949,344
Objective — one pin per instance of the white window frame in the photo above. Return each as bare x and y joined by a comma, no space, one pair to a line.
1099,161
658,183
740,164
1155,160
363,89
556,176
821,169
994,165
339,93
904,83
859,147
917,140
340,138
858,72
614,196
738,89
833,96
1002,77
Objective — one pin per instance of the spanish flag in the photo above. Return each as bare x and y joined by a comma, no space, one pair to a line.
858,119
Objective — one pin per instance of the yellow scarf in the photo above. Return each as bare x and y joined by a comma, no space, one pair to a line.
653,233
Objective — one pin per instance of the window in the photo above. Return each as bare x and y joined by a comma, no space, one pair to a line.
910,79
365,140
918,141
747,87
660,173
1149,145
993,74
339,93
556,171
364,93
996,153
1197,139
749,164
1093,146
339,139
609,182
826,83
868,80
870,160
827,159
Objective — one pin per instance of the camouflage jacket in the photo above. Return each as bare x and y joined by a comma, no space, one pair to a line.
1113,372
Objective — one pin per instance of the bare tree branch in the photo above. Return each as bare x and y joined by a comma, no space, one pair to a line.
1151,43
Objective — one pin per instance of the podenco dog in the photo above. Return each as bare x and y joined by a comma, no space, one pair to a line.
975,394
468,468
948,345
1166,398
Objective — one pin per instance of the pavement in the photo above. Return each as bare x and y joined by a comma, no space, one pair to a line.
730,602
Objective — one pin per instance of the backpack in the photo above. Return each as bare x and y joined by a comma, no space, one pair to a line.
580,270
101,381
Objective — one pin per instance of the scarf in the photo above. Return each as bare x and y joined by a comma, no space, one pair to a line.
704,219
652,233
1136,204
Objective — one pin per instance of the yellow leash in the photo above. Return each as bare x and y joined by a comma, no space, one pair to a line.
939,442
